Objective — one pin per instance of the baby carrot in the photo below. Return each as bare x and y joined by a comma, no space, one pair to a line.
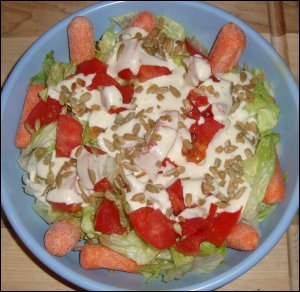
145,20
62,237
23,137
275,191
243,237
81,39
227,49
102,257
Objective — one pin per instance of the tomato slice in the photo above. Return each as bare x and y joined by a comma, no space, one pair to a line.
63,207
69,135
194,113
196,99
197,153
147,72
126,74
46,111
154,227
107,218
221,227
91,66
89,149
193,51
205,132
127,92
103,185
192,225
175,192
102,79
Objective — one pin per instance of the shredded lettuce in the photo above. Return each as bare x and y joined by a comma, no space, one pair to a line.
258,171
45,138
106,44
52,71
264,210
172,28
87,222
87,139
208,248
178,59
45,212
124,19
131,246
266,110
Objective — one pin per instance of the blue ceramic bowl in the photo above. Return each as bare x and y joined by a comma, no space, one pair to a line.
199,19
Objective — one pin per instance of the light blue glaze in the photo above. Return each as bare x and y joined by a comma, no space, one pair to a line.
199,19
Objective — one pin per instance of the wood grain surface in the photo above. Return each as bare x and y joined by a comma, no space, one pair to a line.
23,21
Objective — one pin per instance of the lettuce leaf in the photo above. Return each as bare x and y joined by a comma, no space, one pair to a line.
124,19
45,138
106,44
258,171
45,212
52,71
87,222
87,139
264,210
172,28
208,248
266,110
131,246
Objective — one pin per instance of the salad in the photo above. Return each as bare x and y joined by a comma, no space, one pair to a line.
146,153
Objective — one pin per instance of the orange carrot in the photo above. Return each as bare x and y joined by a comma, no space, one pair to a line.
243,237
102,257
145,20
227,49
81,39
62,237
275,191
23,137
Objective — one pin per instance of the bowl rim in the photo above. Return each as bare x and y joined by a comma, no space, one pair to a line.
80,280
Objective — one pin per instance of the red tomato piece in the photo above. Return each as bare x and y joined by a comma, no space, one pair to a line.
102,79
46,111
127,92
196,99
154,227
89,149
107,218
126,74
193,51
63,207
221,227
205,132
197,153
167,159
91,66
194,113
147,72
192,225
191,244
117,110
69,135
175,192
207,112
103,185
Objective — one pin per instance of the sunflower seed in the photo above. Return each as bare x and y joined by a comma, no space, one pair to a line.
201,202
187,105
230,149
230,188
50,178
136,129
58,180
149,202
156,137
138,36
236,167
181,218
187,144
171,172
208,178
188,199
130,167
140,197
28,128
129,137
160,97
138,89
222,183
248,153
67,174
120,51
47,159
221,174
97,194
205,187
169,212
238,180
161,90
240,192
129,117
39,152
210,89
119,120
152,188
217,162
181,125
214,170
109,145
243,76
177,228
160,23
219,149
221,204
152,88
92,176
85,97
78,151
221,197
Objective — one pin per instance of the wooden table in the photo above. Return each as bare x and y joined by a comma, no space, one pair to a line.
22,22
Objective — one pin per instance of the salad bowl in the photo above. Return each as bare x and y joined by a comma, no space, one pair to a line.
194,16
